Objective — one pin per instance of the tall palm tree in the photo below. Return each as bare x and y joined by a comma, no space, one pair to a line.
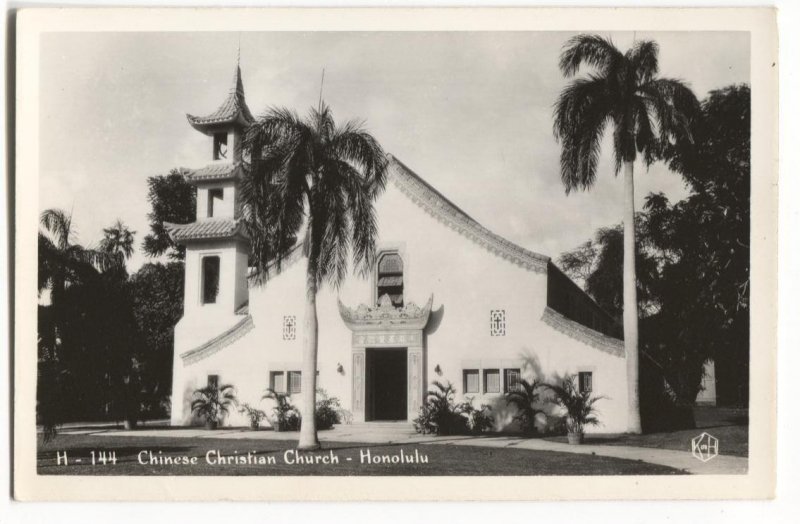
313,178
645,113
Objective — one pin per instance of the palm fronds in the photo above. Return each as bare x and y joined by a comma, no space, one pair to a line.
622,90
580,406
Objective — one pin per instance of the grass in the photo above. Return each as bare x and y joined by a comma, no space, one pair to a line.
442,459
728,425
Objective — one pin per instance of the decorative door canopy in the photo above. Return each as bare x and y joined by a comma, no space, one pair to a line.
386,317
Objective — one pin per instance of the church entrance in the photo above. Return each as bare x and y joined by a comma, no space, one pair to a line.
386,384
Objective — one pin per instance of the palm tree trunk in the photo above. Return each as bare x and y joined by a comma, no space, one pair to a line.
308,377
630,315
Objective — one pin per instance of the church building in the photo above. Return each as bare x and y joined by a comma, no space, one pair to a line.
446,300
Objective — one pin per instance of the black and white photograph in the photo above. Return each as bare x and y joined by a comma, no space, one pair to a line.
395,253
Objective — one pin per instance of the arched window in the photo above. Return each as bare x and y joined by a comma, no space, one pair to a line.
390,278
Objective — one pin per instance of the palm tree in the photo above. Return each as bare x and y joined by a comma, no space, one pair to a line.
61,263
311,177
118,240
213,403
525,398
645,113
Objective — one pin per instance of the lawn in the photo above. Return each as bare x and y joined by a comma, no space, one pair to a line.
728,425
268,457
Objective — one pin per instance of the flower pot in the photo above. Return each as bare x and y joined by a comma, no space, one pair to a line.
575,438
211,424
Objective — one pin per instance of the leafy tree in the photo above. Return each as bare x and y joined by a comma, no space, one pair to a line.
313,177
697,251
172,199
157,300
645,113
598,264
705,244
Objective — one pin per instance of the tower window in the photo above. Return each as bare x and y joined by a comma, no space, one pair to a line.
390,278
210,279
220,146
214,199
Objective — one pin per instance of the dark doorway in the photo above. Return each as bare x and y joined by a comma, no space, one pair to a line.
386,387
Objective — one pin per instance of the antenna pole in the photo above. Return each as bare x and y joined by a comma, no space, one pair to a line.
321,84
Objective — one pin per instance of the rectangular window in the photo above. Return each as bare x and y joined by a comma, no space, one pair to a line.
585,381
215,197
220,145
210,279
491,381
472,381
294,382
512,380
213,381
277,381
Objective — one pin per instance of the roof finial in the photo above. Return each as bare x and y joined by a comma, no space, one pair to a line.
239,50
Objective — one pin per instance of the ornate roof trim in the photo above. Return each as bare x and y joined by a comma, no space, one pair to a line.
219,342
439,207
385,316
233,109
582,333
215,173
206,229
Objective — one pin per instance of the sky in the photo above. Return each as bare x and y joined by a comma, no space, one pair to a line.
470,112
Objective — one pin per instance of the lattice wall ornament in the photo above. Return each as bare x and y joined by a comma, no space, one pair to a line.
289,327
497,323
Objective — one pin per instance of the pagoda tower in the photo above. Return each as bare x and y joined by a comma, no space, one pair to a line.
217,245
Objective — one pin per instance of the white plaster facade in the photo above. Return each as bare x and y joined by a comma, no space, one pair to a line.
460,268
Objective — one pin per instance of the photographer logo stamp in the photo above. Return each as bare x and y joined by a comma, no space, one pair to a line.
705,447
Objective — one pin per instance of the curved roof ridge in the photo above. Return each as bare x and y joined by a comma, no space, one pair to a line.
585,334
226,338
441,208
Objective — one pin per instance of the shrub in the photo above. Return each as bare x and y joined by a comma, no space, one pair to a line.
212,403
286,417
442,416
477,420
328,410
525,398
254,415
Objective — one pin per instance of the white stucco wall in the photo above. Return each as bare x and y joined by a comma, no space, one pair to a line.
466,280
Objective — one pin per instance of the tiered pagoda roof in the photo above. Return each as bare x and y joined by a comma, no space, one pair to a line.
233,109
206,229
214,173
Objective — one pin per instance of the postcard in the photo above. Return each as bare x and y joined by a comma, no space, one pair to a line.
361,254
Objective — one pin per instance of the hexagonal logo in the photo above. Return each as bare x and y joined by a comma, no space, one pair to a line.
705,447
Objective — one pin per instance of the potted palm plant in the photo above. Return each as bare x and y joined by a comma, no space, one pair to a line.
525,397
579,406
212,403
